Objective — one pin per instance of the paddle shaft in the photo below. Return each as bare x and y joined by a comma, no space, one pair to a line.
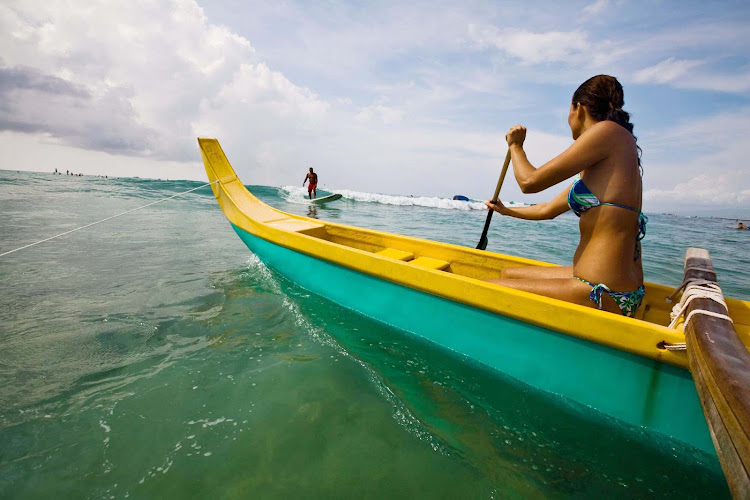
483,240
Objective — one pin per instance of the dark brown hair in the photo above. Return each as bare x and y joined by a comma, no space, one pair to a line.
604,98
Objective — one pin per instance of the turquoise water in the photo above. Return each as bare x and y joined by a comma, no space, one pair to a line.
152,356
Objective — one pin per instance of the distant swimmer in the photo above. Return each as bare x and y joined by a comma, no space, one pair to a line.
740,225
312,187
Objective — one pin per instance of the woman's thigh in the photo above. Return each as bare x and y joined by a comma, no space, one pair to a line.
568,289
537,272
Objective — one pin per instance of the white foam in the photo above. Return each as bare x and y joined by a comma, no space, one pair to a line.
296,194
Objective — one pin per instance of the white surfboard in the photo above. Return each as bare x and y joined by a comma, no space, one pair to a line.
326,199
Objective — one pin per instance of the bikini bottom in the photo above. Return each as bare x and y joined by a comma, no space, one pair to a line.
628,302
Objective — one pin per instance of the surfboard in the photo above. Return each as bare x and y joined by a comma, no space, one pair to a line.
326,199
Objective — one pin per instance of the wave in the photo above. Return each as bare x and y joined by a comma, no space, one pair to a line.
296,194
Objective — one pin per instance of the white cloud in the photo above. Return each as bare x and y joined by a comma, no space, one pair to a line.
530,47
388,115
595,8
706,189
700,162
692,74
666,71
568,49
257,86
713,133
145,66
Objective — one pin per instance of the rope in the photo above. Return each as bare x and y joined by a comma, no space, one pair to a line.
677,346
688,280
697,288
108,218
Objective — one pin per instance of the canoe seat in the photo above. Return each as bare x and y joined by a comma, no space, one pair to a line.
430,263
296,225
396,254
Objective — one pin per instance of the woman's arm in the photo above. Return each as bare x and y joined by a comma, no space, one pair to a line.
540,211
590,148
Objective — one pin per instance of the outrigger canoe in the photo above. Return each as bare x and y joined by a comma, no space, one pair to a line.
613,364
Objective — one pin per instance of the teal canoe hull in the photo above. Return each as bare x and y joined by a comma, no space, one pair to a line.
636,390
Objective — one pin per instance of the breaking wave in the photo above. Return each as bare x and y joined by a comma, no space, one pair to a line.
296,194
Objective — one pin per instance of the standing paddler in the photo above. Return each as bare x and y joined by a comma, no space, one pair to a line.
312,187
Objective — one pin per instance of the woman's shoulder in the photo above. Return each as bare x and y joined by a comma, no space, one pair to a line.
609,131
609,127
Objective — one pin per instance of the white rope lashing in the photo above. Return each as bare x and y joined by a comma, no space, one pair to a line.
688,280
108,218
695,288
698,289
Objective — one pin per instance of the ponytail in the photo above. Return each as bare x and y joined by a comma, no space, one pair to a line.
604,98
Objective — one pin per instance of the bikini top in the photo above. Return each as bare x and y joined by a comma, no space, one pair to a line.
580,199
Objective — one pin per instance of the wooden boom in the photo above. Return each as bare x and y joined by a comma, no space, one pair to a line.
720,365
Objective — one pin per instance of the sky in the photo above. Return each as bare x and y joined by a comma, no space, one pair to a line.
390,97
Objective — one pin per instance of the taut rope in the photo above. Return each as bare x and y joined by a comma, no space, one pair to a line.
108,218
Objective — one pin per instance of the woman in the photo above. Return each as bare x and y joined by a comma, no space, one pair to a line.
606,195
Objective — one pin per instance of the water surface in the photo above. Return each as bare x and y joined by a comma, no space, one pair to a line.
153,356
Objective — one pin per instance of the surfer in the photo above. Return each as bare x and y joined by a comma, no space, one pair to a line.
740,225
312,187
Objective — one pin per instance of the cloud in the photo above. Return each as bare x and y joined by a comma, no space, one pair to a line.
30,79
568,50
529,47
706,189
685,73
140,70
595,8
707,134
667,71
386,114
699,162
31,101
257,86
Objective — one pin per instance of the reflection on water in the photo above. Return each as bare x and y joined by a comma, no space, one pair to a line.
312,211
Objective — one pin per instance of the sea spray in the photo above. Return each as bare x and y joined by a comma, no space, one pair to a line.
296,194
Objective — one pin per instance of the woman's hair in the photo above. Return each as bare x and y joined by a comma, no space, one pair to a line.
604,98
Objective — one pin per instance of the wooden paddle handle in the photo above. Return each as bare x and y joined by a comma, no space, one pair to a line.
502,176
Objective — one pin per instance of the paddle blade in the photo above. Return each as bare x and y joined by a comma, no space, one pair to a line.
483,243
483,240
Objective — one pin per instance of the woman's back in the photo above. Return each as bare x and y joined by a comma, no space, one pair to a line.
606,253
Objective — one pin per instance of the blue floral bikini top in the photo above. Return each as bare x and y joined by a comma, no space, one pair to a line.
580,199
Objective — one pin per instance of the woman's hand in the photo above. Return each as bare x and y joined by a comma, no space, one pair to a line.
516,135
497,206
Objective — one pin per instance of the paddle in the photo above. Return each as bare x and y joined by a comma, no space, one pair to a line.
483,240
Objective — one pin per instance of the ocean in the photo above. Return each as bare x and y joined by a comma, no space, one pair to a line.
153,356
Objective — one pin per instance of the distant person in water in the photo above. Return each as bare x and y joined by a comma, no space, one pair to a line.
740,225
312,187
606,271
